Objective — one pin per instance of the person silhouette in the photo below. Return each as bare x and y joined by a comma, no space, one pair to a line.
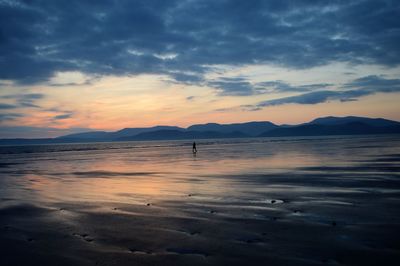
194,149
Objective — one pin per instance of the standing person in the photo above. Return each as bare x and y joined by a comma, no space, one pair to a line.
194,147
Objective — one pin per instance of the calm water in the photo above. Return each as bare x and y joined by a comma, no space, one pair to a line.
234,201
149,171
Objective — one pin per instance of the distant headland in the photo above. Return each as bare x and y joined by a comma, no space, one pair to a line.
324,126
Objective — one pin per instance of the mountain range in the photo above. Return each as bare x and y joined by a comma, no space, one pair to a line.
350,125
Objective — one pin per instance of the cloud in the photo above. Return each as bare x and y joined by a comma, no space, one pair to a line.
247,107
233,86
19,101
280,86
7,106
24,100
375,83
41,38
316,97
181,77
240,86
68,84
63,116
9,116
349,92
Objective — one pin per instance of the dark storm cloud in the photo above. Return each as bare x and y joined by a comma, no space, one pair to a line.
39,38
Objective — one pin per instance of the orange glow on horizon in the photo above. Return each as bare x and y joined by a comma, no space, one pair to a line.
112,103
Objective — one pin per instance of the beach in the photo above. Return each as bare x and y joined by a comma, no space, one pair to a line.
262,201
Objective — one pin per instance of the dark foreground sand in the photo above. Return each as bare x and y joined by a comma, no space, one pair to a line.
309,214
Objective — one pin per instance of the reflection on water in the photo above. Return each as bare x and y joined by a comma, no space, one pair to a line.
294,201
151,171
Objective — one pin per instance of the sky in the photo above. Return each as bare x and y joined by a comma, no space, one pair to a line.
83,65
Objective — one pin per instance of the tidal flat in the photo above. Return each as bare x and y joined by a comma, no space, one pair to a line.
265,201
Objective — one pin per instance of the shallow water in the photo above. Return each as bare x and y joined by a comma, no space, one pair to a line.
281,201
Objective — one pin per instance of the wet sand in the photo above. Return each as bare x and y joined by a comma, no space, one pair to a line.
330,201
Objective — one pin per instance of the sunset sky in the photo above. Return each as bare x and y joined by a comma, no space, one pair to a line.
74,66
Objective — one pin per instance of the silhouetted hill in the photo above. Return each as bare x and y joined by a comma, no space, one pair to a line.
126,132
110,136
177,134
350,125
332,120
249,128
87,135
352,128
